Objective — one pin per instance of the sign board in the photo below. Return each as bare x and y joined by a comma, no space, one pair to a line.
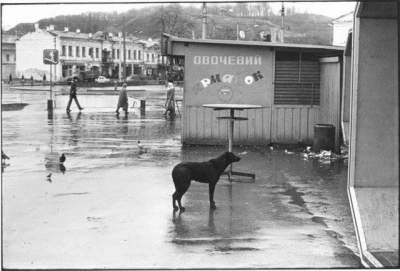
50,56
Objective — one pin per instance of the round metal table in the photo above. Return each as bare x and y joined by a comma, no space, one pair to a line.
231,119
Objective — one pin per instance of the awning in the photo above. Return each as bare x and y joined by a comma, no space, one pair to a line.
79,63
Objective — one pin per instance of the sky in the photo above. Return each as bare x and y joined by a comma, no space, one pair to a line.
24,13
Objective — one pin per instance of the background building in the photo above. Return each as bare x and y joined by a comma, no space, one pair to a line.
8,56
341,28
85,55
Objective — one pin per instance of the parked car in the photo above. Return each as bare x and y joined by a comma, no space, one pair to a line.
102,79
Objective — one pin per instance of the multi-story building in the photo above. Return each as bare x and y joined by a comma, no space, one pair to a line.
152,56
8,56
100,53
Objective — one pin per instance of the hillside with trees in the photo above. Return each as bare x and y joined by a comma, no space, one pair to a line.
185,21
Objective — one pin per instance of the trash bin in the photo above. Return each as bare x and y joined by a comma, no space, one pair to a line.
324,137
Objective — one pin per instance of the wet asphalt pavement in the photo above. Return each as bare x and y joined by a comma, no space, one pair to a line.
110,205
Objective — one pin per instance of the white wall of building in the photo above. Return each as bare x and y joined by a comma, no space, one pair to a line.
29,55
341,27
340,32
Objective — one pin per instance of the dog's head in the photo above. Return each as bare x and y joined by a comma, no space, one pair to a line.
230,157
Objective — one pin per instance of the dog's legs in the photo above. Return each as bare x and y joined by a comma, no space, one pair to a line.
181,192
211,188
174,198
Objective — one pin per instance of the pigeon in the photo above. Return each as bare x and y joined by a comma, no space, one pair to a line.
4,156
49,178
141,148
62,158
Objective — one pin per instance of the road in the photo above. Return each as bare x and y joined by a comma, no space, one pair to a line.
110,207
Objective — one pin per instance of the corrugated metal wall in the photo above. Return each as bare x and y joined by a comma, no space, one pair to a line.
289,124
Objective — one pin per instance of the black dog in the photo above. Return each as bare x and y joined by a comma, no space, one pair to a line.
204,172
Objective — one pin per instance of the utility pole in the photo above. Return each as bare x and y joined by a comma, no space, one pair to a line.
124,48
162,38
55,66
282,22
204,23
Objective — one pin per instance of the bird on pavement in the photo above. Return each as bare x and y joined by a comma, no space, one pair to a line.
141,148
62,158
49,178
4,156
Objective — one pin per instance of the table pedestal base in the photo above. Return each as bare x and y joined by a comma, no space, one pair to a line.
237,173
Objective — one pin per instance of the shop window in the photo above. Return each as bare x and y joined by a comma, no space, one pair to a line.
297,78
64,71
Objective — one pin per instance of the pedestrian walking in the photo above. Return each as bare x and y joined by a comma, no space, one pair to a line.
72,96
44,79
23,80
31,80
10,79
170,101
123,100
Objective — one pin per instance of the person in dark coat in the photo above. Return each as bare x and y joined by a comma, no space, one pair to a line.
170,101
72,96
123,99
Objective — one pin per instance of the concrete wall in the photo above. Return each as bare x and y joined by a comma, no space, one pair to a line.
375,123
373,177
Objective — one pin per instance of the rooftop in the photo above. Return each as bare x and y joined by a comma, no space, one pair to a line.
6,38
255,43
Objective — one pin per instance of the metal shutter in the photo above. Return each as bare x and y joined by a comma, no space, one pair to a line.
297,82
